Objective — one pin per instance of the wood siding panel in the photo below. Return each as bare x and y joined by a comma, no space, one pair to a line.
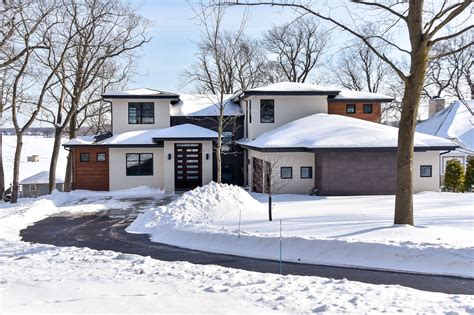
91,175
339,108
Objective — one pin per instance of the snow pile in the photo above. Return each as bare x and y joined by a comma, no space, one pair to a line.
356,95
204,105
139,92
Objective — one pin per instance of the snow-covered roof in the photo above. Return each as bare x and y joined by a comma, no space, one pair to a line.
361,95
40,178
145,137
204,105
139,93
325,131
293,87
454,122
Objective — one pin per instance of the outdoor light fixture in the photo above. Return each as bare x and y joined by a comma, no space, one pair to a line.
169,156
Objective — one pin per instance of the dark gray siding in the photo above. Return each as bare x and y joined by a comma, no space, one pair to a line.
355,173
234,158
41,190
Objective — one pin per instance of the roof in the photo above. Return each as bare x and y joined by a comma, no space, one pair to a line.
147,137
455,122
140,93
40,178
291,88
348,95
204,105
325,131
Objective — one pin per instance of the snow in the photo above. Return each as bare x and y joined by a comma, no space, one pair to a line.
336,131
342,231
32,145
354,95
42,278
185,131
454,122
295,87
137,92
41,178
204,105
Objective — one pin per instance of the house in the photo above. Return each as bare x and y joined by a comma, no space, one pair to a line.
455,122
38,185
331,139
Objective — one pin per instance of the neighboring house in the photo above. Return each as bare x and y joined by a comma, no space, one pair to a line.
455,122
38,185
166,140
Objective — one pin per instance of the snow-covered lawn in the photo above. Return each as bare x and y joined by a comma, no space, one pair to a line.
43,278
343,231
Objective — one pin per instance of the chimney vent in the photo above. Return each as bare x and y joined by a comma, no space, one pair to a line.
435,105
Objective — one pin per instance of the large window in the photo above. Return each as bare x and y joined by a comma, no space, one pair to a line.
350,108
286,172
101,157
226,141
306,172
139,164
267,111
227,173
84,157
426,171
141,113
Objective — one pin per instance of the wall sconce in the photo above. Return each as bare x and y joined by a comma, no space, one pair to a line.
207,156
169,156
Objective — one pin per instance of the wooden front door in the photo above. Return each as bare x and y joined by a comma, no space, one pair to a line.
187,165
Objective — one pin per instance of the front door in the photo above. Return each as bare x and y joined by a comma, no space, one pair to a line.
188,170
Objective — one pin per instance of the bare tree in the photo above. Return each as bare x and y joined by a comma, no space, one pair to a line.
298,47
5,89
428,25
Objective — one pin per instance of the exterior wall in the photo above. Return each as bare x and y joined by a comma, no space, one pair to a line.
296,160
443,159
169,166
91,175
287,109
426,183
339,108
41,190
235,156
118,170
120,115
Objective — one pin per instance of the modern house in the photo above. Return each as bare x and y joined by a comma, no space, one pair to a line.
455,122
323,139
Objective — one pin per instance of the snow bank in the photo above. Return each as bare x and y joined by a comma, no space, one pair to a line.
207,219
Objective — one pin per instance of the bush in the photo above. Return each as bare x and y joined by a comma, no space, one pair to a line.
469,176
453,175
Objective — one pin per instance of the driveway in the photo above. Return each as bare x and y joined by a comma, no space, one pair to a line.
105,230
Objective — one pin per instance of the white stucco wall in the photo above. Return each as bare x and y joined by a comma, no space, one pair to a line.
287,108
169,166
118,178
426,183
120,115
296,160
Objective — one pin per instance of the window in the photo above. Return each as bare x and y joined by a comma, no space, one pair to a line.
286,172
101,157
306,172
426,171
139,164
32,187
267,111
226,141
350,108
84,157
141,113
227,173
368,108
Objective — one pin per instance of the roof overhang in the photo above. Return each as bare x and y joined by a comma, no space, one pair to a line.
121,96
246,94
147,145
368,100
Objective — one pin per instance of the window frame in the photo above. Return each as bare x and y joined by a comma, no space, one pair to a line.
139,164
286,167
139,113
371,108
430,167
227,146
31,186
261,111
81,154
310,172
350,106
97,157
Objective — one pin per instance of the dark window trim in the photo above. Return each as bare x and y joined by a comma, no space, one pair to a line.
351,105
273,117
310,172
139,160
83,154
97,157
371,108
141,116
430,168
291,172
250,111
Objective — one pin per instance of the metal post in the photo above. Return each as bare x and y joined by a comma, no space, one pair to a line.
280,249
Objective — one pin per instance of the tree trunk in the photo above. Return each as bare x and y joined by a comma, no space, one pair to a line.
406,134
16,167
2,172
54,159
68,175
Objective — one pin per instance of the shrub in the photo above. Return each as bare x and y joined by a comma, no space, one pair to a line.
453,175
469,176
